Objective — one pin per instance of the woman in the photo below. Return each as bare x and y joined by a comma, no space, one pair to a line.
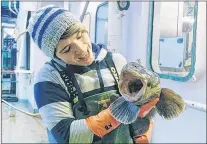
73,90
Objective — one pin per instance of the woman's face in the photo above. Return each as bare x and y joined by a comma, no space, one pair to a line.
76,49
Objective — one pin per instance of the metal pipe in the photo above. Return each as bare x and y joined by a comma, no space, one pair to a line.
84,11
15,7
196,105
11,9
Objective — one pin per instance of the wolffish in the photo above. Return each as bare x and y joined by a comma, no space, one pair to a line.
138,85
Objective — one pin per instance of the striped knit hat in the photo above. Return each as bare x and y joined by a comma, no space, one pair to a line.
47,25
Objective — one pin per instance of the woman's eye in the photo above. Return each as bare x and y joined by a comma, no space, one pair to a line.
79,35
68,49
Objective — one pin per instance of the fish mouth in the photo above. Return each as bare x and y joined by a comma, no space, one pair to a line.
134,86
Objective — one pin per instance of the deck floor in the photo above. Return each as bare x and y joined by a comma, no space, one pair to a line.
18,127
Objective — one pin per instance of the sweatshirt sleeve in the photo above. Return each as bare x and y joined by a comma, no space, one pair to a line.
52,101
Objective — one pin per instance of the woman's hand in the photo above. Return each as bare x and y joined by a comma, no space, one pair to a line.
145,109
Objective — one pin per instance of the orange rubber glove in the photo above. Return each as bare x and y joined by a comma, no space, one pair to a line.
145,109
145,138
102,123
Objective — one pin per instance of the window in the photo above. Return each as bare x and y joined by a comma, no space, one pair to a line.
172,39
9,52
101,27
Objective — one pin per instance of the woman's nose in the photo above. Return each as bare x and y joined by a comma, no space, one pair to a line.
80,47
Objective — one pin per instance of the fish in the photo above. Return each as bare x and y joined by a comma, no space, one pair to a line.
139,86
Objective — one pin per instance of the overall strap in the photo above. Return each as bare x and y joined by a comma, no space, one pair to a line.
110,64
72,85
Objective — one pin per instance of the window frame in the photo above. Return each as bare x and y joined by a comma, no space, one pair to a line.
149,47
96,19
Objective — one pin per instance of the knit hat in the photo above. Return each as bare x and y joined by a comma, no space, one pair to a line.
47,25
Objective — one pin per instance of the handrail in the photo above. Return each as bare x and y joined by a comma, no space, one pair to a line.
24,71
17,71
195,105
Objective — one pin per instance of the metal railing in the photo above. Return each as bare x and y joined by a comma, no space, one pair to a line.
196,105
